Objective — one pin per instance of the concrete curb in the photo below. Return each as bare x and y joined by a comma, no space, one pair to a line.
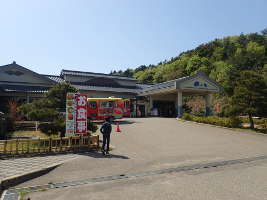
17,179
211,125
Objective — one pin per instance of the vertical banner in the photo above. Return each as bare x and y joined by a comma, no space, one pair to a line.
81,113
70,114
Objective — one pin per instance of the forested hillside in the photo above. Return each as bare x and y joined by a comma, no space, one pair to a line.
224,60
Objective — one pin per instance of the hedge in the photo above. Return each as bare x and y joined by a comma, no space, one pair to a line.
232,122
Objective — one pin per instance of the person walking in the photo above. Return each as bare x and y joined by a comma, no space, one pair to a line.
106,129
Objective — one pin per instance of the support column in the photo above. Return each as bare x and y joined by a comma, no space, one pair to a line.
208,100
27,98
150,105
179,104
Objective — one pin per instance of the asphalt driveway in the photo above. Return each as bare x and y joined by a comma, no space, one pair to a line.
148,144
159,143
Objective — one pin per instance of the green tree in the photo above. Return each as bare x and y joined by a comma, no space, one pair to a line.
145,76
198,63
264,31
50,108
128,72
250,96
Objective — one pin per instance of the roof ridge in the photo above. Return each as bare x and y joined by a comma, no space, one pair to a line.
49,75
97,73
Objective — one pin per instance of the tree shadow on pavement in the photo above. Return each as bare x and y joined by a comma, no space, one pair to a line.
118,121
100,155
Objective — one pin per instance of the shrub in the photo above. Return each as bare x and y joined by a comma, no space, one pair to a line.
6,126
48,128
187,116
264,126
58,126
234,122
91,126
3,130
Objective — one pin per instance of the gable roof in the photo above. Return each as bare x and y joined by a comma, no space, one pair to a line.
175,84
14,64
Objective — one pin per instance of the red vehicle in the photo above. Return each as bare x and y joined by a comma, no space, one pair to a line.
114,108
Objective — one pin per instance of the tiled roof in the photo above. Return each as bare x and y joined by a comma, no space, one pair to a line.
161,85
23,88
91,74
106,89
57,79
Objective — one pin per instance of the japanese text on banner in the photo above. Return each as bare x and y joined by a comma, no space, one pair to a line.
81,114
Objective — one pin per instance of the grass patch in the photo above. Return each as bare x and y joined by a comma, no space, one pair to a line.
30,133
23,194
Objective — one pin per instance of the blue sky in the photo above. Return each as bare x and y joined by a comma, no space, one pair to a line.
102,35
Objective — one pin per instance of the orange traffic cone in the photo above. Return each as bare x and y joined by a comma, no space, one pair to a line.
118,127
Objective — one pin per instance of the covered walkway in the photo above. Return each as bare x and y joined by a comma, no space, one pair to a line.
166,99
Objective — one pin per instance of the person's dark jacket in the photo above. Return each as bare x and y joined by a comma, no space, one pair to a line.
106,128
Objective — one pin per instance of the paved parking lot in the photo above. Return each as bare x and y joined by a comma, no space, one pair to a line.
18,166
246,182
159,143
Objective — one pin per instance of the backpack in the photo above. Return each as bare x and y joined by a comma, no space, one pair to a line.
106,128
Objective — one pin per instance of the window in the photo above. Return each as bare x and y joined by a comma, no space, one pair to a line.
111,104
107,104
92,104
126,104
104,104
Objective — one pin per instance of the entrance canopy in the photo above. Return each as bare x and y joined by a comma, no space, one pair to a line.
198,83
173,91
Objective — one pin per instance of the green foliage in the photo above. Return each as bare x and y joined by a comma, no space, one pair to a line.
91,126
250,96
235,122
198,63
57,95
49,109
6,126
264,126
222,59
146,76
187,117
48,128
232,122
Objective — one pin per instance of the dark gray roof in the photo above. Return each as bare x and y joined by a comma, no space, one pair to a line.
36,74
57,79
106,89
23,88
92,74
161,85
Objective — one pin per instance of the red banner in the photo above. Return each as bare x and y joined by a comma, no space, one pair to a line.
81,113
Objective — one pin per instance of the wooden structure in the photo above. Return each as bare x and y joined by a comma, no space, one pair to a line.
48,145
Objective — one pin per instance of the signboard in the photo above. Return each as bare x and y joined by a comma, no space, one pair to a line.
76,114
70,114
81,113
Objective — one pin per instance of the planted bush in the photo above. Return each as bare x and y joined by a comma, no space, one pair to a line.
233,122
187,116
91,126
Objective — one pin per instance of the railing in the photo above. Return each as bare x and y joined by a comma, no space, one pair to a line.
26,125
47,145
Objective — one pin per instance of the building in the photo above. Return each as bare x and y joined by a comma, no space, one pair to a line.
165,99
21,84
101,85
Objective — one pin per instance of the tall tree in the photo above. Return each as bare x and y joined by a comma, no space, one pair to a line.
250,96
